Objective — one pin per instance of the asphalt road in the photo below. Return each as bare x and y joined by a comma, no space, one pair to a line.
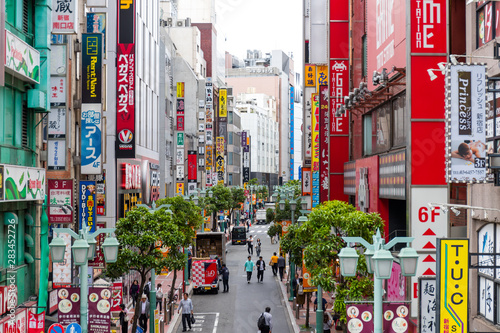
238,310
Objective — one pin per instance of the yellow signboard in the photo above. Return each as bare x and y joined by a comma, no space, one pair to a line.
453,289
321,76
223,103
310,72
180,89
179,189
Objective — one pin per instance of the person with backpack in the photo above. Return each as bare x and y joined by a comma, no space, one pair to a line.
265,321
159,296
147,289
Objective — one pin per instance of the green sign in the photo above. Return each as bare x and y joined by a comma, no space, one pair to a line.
180,139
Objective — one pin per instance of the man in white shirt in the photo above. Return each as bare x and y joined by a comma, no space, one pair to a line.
186,306
269,321
144,316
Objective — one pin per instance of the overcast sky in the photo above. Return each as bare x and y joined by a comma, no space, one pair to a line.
264,25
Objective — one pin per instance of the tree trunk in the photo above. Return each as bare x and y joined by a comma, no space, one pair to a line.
172,288
308,299
138,306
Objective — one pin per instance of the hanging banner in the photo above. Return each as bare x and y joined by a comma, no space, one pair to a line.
117,294
222,103
307,125
87,205
99,310
91,68
61,272
60,193
453,285
315,150
91,136
209,157
98,260
68,300
467,123
64,16
306,181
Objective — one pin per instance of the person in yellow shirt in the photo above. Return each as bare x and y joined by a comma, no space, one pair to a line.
274,264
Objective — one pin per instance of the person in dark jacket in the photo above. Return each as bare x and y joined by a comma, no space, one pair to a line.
281,266
224,271
261,267
134,292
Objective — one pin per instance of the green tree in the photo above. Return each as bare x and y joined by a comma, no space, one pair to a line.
269,215
320,238
236,198
142,233
221,199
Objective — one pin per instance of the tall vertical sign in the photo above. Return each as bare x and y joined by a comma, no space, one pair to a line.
91,137
427,46
209,133
180,109
324,136
338,88
292,135
315,150
125,80
220,160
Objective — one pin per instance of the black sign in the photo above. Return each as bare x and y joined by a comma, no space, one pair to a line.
126,21
91,68
464,104
246,175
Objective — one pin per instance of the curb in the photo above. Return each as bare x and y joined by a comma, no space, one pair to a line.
290,319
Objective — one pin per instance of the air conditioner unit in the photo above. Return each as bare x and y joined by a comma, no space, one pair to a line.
170,21
180,23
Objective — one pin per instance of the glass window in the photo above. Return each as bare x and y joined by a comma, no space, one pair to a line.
398,124
229,158
230,138
367,134
230,179
381,127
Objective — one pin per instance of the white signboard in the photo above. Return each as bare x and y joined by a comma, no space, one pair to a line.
427,301
21,183
61,272
180,156
428,224
209,93
58,58
56,127
58,89
466,116
64,16
179,172
56,159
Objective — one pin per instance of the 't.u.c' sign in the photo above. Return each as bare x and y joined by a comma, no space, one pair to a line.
453,288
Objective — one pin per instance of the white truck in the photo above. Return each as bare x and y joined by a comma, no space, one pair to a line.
260,216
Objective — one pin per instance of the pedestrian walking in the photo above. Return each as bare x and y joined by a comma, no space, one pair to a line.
186,306
144,314
261,267
248,225
274,264
123,318
323,302
249,266
224,271
281,266
327,323
258,247
250,245
134,292
147,289
159,296
266,326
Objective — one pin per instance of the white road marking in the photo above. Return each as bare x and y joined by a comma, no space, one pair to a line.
216,322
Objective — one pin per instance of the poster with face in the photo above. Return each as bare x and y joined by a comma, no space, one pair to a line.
99,310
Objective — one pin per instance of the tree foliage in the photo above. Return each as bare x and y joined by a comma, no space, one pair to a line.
269,215
142,233
320,238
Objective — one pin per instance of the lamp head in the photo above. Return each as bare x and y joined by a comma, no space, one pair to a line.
348,261
57,249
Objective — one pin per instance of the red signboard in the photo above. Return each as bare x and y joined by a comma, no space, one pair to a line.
324,134
60,197
125,103
99,254
36,322
116,296
180,123
339,44
339,87
428,26
386,36
192,166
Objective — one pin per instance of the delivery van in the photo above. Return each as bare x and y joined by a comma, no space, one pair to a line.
205,275
239,235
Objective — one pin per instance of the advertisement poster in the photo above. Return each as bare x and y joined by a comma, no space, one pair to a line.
60,199
91,138
87,207
64,16
36,322
96,23
360,318
179,189
68,300
91,68
100,193
23,184
99,310
467,120
61,272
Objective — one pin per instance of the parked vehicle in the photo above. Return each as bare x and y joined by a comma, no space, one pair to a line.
210,244
260,216
239,235
205,276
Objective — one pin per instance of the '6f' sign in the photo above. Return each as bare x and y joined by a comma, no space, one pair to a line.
426,214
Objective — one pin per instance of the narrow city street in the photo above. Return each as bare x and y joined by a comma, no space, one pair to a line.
238,310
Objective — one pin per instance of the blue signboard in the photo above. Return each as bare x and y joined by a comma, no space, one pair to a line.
87,212
315,189
96,23
91,139
74,328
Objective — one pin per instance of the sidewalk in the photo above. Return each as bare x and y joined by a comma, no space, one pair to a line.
298,323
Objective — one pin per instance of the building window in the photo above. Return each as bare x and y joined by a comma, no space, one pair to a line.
229,158
486,23
367,134
364,57
398,124
230,138
230,179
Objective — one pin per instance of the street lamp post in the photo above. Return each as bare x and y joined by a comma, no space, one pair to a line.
379,261
83,251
